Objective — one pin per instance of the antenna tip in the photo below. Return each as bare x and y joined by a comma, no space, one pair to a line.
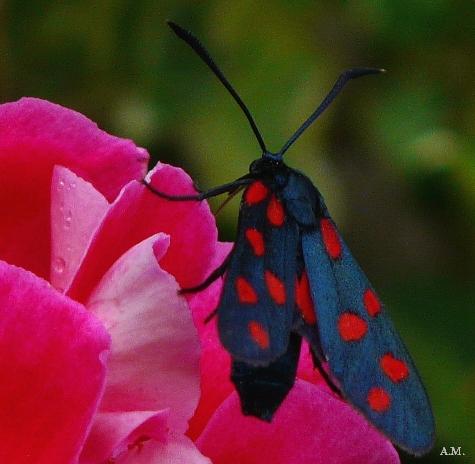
172,24
358,72
178,30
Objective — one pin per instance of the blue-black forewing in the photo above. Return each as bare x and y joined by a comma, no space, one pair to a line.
235,317
305,323
338,286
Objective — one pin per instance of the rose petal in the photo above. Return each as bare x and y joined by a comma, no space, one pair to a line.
193,227
177,450
52,354
307,371
114,432
155,349
203,303
215,362
35,135
137,214
311,426
215,367
72,224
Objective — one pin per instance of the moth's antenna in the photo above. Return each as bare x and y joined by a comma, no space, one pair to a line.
197,46
336,89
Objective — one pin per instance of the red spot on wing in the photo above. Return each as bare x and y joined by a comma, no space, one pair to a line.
256,240
259,334
394,368
330,238
371,303
379,399
275,212
275,287
303,299
255,193
245,291
351,327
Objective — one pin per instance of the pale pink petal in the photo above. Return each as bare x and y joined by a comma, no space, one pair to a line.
35,135
114,432
177,450
137,214
311,427
77,208
52,354
155,349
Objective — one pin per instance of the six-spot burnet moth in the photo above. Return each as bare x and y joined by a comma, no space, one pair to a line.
290,275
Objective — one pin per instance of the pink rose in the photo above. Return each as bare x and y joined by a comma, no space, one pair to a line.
98,352
101,361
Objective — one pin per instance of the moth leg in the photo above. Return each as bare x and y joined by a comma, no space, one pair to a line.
215,275
215,191
230,196
318,365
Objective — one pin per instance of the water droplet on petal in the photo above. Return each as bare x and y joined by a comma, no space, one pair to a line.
68,217
59,265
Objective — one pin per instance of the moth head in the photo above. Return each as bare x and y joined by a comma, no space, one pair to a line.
268,162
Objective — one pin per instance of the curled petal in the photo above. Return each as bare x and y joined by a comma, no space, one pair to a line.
72,224
52,354
115,433
35,135
138,214
177,450
191,225
153,363
311,426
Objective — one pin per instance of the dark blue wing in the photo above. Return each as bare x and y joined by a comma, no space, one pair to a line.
364,352
257,304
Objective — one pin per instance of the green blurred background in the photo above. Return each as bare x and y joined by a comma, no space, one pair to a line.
394,156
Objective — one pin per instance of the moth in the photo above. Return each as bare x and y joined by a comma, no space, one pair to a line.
290,276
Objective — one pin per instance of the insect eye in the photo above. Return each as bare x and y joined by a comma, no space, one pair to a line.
255,166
